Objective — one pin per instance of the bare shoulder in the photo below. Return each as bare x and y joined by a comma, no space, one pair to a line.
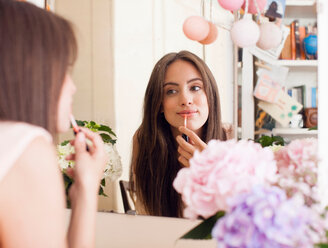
228,130
32,194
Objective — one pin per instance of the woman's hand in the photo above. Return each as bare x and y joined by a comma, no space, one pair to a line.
185,149
89,165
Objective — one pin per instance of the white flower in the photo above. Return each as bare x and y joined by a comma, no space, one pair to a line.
113,169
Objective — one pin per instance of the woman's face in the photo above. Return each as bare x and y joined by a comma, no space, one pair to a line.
184,95
65,104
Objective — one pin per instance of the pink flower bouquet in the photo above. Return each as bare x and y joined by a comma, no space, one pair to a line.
298,168
233,185
221,171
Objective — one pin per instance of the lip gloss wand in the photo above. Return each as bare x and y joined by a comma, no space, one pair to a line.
185,137
76,128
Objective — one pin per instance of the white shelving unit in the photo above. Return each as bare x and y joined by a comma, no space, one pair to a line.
300,2
300,72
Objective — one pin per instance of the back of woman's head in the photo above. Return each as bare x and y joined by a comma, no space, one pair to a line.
36,49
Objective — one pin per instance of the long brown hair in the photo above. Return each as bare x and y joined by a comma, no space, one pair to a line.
156,164
36,49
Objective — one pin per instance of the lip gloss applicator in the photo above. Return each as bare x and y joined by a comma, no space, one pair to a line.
185,137
76,128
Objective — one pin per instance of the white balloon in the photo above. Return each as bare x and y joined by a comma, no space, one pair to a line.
270,36
245,33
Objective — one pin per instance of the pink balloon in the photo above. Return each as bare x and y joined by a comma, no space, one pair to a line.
270,36
196,28
251,7
245,33
231,4
212,35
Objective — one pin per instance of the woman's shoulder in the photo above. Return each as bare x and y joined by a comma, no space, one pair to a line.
18,131
228,130
33,180
15,138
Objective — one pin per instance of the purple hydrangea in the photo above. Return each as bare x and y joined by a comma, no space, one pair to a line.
265,218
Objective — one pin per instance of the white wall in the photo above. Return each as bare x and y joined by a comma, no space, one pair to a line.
120,41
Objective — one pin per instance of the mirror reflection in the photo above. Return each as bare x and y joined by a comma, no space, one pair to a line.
149,71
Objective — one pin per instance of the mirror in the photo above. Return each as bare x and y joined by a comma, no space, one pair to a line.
119,43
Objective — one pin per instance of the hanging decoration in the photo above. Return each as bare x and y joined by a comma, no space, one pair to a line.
199,29
252,6
244,32
231,5
212,35
196,28
270,36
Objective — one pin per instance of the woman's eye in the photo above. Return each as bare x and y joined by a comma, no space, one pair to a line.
195,88
170,92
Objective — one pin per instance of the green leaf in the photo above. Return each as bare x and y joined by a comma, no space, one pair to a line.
106,129
103,182
321,245
204,229
106,138
101,191
80,123
64,143
269,141
313,128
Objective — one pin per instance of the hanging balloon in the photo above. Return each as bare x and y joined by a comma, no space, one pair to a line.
270,36
252,7
245,33
196,28
212,35
231,4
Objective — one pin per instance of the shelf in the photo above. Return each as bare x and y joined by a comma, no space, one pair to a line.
300,2
296,63
294,131
263,55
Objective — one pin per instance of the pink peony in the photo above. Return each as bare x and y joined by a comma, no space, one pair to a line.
298,168
223,170
300,153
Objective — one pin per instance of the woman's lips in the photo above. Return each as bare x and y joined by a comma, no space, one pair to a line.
187,113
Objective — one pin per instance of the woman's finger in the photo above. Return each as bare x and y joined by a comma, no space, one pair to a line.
185,145
70,172
183,161
95,138
201,145
184,153
70,157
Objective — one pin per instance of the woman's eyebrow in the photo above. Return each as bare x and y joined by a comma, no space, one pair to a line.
171,83
194,79
189,81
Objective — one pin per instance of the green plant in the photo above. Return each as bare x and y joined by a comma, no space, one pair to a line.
113,169
270,140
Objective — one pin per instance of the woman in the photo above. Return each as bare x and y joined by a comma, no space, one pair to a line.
37,51
181,86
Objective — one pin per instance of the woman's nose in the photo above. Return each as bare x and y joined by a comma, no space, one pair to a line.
186,99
